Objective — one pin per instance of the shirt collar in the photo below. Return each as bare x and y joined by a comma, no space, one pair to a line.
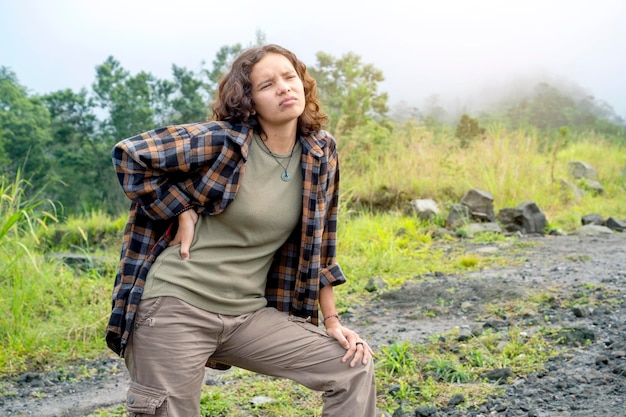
242,135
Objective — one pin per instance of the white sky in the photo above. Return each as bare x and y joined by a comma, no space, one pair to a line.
446,47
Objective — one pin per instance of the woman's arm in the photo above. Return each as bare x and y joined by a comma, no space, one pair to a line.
346,337
154,167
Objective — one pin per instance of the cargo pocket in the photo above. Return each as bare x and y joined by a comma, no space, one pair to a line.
142,400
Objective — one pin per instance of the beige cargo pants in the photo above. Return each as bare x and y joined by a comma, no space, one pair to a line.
172,340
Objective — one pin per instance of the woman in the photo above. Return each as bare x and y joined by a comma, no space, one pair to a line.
229,250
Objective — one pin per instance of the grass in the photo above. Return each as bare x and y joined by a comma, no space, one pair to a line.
48,315
445,366
53,314
412,161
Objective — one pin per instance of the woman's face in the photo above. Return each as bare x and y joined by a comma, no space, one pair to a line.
277,91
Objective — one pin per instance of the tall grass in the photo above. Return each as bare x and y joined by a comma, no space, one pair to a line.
385,168
49,314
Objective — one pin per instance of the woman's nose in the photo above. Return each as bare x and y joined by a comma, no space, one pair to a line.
283,87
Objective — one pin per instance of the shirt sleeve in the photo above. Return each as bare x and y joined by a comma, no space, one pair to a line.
331,273
153,168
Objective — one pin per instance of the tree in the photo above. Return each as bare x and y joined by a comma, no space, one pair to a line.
551,108
190,103
468,130
224,59
82,163
220,66
129,101
348,90
24,132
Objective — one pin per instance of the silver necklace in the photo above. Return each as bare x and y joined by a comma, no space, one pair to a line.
285,176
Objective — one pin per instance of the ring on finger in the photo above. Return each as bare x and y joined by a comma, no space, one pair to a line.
359,343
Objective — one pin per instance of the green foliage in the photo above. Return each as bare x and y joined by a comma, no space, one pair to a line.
468,130
92,232
64,138
119,411
47,314
20,216
24,132
397,359
395,248
224,59
221,64
388,168
190,102
364,146
215,404
447,369
469,261
127,98
432,372
82,156
348,90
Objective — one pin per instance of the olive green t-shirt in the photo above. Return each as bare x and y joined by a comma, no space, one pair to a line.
232,252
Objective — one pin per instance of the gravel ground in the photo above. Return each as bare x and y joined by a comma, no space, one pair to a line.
589,379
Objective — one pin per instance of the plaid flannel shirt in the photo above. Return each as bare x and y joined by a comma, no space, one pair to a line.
199,166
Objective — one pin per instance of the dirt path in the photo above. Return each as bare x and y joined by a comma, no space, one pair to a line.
586,381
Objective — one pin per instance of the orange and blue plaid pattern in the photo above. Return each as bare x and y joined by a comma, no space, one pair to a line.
198,166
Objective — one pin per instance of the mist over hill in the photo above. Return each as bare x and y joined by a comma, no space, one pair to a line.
559,98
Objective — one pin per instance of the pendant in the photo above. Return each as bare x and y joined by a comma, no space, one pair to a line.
285,176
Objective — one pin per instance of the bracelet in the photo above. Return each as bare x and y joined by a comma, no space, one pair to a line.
330,316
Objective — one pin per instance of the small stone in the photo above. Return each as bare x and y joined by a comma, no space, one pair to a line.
466,306
579,311
494,324
260,400
501,406
500,374
602,360
456,400
399,412
425,411
618,354
374,284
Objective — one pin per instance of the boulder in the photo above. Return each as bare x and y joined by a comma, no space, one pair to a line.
425,209
474,229
592,219
458,216
593,230
592,185
480,204
615,224
525,218
573,189
579,169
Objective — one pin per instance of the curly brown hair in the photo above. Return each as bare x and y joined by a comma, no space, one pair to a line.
234,99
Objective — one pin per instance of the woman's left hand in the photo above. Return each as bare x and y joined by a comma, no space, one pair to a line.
184,235
357,348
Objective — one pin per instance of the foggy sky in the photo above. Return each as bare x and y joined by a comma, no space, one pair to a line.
446,47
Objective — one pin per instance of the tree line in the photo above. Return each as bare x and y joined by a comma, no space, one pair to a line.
61,142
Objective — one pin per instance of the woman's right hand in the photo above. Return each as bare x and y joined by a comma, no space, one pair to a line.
184,235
